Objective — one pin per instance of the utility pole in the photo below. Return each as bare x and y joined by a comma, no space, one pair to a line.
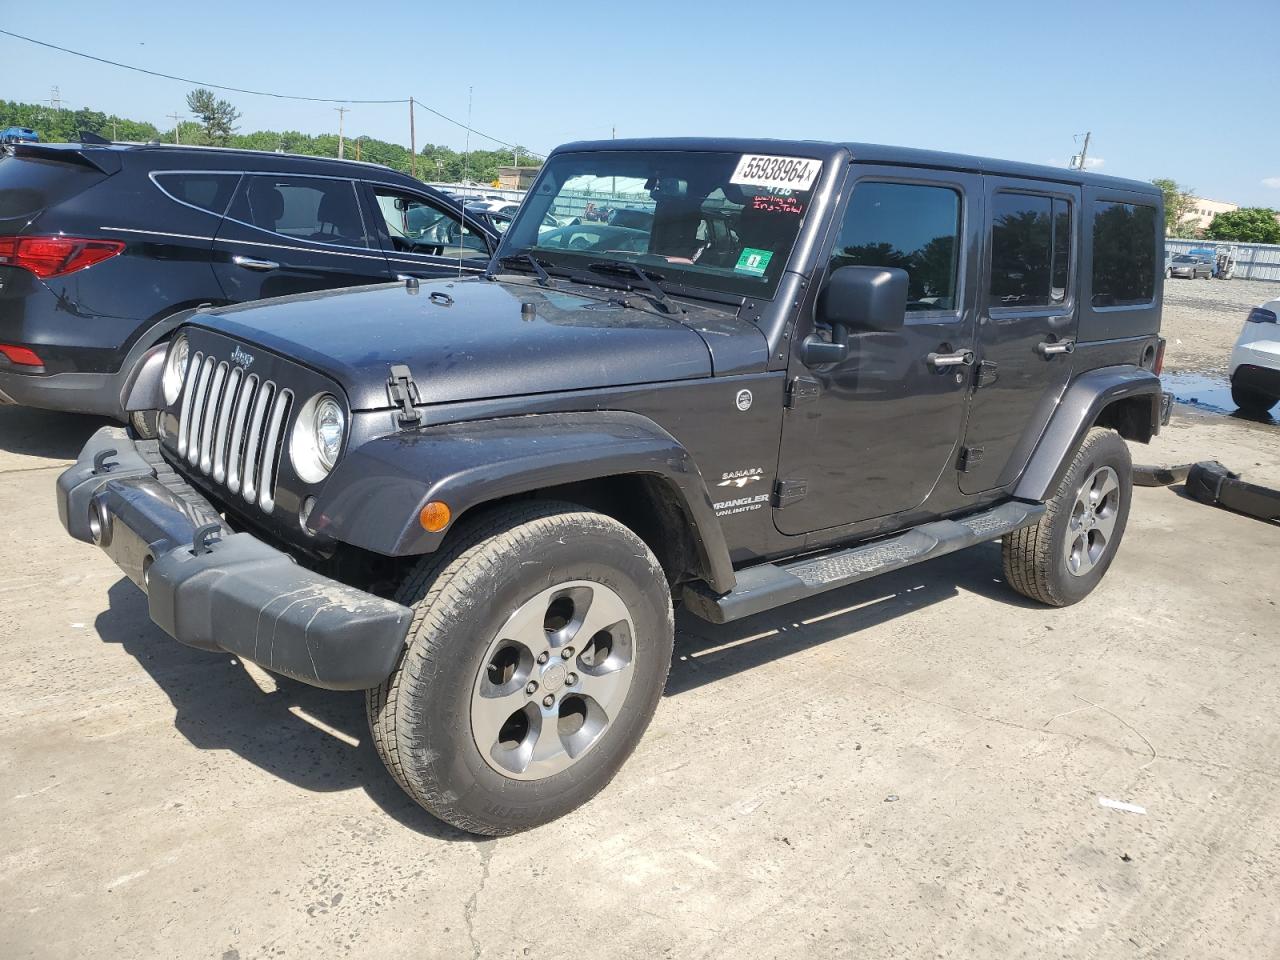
1084,151
55,98
174,118
342,111
413,144
114,135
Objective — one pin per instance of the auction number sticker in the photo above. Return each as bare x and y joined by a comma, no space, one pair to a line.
786,173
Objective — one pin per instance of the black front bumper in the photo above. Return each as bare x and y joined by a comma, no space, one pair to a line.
230,591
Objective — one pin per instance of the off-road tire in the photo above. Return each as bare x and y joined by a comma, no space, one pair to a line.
419,716
145,424
1252,401
1035,557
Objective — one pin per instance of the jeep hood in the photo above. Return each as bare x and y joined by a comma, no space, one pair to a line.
476,339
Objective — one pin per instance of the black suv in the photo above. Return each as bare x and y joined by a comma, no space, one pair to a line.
806,364
105,249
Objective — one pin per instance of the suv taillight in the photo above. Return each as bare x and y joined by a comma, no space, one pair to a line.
1259,315
1158,366
55,256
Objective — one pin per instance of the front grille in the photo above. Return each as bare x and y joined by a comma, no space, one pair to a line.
231,427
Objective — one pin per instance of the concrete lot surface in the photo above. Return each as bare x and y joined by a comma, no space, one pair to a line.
911,767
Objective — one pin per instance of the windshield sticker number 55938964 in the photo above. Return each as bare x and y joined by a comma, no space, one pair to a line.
788,173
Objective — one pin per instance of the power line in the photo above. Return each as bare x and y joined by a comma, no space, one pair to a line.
259,93
198,83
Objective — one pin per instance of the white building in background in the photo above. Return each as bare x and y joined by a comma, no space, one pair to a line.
1203,210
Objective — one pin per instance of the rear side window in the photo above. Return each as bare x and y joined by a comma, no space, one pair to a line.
302,208
912,226
28,185
1030,250
208,191
1124,254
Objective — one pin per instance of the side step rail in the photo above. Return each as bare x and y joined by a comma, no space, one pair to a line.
767,585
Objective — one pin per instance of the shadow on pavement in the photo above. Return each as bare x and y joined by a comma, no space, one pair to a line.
219,706
46,433
708,652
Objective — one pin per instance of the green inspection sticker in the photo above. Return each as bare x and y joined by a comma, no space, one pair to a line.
753,261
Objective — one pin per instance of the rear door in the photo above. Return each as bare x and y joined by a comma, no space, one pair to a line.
423,237
287,234
1027,324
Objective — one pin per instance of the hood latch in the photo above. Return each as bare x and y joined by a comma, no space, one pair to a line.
402,391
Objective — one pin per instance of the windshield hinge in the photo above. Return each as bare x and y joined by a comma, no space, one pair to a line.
402,391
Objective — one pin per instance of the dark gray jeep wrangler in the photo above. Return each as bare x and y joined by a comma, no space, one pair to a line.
744,373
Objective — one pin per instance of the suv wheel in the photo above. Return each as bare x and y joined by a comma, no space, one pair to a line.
539,648
1061,559
1252,401
145,424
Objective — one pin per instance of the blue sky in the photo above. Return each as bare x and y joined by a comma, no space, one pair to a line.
1184,90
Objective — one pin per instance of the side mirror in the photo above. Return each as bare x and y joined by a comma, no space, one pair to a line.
864,299
856,299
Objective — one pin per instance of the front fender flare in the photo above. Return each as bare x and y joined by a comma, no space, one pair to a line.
373,498
1077,411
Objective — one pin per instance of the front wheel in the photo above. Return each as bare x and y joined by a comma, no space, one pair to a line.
539,648
1252,401
1061,559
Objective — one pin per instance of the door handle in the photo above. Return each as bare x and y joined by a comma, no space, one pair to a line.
249,263
940,361
1049,349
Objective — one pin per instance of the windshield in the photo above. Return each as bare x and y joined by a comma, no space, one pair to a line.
723,221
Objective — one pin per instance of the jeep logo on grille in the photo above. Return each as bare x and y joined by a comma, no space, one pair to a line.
242,358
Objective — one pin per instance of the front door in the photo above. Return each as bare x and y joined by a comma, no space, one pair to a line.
425,239
285,234
873,435
1026,328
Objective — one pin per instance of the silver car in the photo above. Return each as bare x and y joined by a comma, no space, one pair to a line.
1189,267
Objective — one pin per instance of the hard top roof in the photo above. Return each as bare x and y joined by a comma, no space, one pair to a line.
871,153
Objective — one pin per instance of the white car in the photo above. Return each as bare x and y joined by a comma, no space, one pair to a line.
1255,361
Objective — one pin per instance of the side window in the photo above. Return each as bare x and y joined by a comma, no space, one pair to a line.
1124,254
911,226
303,208
416,226
1030,250
208,191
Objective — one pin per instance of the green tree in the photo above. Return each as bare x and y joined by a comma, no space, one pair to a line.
1246,225
218,116
1178,202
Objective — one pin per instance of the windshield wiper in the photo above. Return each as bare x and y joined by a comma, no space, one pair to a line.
649,281
544,278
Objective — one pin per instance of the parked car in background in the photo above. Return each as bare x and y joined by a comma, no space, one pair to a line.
1189,267
19,135
1255,361
105,249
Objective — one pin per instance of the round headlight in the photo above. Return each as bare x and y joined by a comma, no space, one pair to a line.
330,423
317,437
175,368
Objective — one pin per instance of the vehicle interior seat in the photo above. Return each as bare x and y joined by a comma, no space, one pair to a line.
266,204
339,218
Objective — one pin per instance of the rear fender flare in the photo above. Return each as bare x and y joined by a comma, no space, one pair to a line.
373,498
1079,409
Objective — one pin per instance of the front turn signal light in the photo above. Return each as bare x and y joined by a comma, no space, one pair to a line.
435,516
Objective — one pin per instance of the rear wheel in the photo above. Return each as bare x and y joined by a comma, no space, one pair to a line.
1061,559
539,648
1252,401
